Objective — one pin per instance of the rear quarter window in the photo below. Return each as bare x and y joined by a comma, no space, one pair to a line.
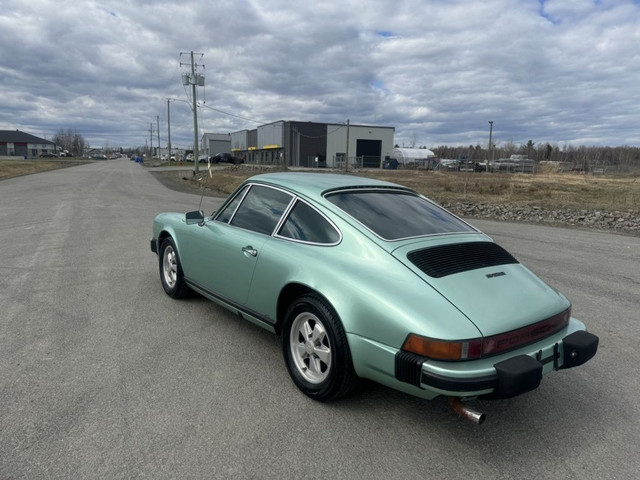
306,224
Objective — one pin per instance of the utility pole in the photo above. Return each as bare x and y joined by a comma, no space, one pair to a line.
195,80
196,155
151,139
158,132
169,129
490,144
346,163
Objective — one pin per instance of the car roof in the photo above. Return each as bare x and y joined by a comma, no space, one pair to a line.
314,184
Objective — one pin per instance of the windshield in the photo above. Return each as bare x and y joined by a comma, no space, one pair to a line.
394,215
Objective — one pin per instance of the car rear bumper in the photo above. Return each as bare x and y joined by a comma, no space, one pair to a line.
508,378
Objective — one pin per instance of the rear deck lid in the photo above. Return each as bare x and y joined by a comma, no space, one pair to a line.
485,282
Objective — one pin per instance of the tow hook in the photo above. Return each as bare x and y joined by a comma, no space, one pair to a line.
465,412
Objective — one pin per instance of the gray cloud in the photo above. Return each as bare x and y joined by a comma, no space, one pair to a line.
438,71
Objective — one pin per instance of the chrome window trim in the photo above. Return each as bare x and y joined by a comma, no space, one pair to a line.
257,184
230,201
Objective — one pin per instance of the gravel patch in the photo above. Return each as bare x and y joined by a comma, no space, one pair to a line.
616,221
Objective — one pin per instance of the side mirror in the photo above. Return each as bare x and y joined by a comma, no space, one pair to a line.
197,216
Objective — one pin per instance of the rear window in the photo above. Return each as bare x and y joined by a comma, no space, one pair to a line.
393,215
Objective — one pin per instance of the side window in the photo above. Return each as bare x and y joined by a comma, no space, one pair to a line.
308,225
225,215
261,209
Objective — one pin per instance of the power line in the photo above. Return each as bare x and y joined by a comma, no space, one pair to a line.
231,114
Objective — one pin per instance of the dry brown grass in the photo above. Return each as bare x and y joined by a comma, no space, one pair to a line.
17,167
552,191
549,190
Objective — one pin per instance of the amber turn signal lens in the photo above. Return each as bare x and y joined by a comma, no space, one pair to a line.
443,349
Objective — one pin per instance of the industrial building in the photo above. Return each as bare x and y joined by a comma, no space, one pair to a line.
14,143
310,144
213,143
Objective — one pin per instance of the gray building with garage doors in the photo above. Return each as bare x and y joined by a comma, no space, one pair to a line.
213,143
311,144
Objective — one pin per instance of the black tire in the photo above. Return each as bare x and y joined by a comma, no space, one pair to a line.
316,350
171,275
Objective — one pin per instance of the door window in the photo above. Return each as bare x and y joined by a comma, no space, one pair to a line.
261,209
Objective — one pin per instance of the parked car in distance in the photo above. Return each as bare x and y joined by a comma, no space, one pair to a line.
450,164
226,157
363,278
47,155
390,164
471,166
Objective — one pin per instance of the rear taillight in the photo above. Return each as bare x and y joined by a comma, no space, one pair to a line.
457,350
523,336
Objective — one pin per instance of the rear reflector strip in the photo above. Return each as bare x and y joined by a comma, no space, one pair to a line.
523,336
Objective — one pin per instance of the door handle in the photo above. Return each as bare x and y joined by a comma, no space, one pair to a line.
249,250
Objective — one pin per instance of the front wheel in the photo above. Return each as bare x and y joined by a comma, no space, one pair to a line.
171,274
316,351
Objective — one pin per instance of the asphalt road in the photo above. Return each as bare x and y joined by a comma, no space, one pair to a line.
104,376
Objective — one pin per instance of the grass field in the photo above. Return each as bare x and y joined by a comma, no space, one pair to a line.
17,167
552,191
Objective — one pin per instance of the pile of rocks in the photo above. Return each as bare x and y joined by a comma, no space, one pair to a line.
623,222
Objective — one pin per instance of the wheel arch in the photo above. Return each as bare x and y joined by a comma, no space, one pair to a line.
288,294
163,235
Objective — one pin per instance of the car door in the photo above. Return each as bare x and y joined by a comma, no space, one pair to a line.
229,246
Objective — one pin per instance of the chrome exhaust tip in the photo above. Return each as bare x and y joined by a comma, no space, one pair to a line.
465,412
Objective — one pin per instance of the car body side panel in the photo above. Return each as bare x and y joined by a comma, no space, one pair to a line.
385,307
213,258
376,361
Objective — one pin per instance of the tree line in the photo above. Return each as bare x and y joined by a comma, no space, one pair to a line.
623,157
70,140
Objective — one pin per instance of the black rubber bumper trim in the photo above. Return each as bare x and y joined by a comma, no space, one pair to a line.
408,369
579,347
154,245
452,384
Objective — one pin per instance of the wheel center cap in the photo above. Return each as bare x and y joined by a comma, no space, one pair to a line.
309,347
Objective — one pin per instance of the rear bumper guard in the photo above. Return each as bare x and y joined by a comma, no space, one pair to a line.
514,376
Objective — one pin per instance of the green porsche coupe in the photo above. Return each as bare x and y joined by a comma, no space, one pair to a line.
368,279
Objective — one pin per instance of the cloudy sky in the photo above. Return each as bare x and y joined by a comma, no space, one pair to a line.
558,71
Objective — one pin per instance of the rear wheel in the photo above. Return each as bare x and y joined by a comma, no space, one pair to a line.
316,351
171,274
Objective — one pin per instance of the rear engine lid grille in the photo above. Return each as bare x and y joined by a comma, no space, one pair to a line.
446,260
